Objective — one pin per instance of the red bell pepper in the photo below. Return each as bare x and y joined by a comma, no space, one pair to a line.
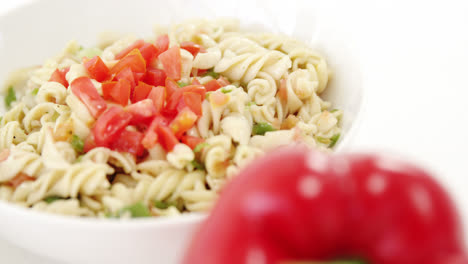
297,205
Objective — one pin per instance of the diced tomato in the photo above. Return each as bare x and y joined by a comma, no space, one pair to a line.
19,179
195,81
151,137
129,141
127,74
200,72
218,98
162,43
191,141
134,60
118,92
136,45
173,101
158,96
171,87
149,52
172,62
283,91
223,81
59,76
4,154
89,143
107,88
167,139
155,77
191,47
141,111
212,85
109,125
199,89
121,95
84,89
184,120
138,76
193,101
141,92
97,69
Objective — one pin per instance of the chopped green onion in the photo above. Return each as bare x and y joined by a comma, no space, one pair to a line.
162,204
323,140
10,96
200,146
51,199
334,110
262,128
197,165
136,210
251,103
89,52
207,96
79,159
77,143
35,91
333,140
211,73
55,116
109,215
226,90
182,84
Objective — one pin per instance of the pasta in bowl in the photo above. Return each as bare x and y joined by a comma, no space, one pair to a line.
122,183
135,128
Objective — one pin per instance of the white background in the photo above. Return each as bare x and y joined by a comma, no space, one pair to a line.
417,84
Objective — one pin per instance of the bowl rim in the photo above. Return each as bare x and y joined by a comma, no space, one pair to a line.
141,223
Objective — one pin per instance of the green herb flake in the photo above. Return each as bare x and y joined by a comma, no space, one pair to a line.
262,128
251,103
55,116
136,210
197,165
211,73
35,91
200,147
162,205
79,159
51,199
207,95
334,110
333,140
77,143
323,140
10,96
182,84
226,90
89,52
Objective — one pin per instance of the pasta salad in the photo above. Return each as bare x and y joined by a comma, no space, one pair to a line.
156,127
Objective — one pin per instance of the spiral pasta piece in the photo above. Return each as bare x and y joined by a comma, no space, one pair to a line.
20,161
11,134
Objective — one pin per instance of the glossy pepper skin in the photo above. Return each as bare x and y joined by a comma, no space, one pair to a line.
295,204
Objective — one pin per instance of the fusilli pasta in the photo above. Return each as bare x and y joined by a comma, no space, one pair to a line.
239,95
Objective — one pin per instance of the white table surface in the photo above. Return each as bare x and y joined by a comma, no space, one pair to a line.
418,96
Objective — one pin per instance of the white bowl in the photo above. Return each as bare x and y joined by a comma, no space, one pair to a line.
32,33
